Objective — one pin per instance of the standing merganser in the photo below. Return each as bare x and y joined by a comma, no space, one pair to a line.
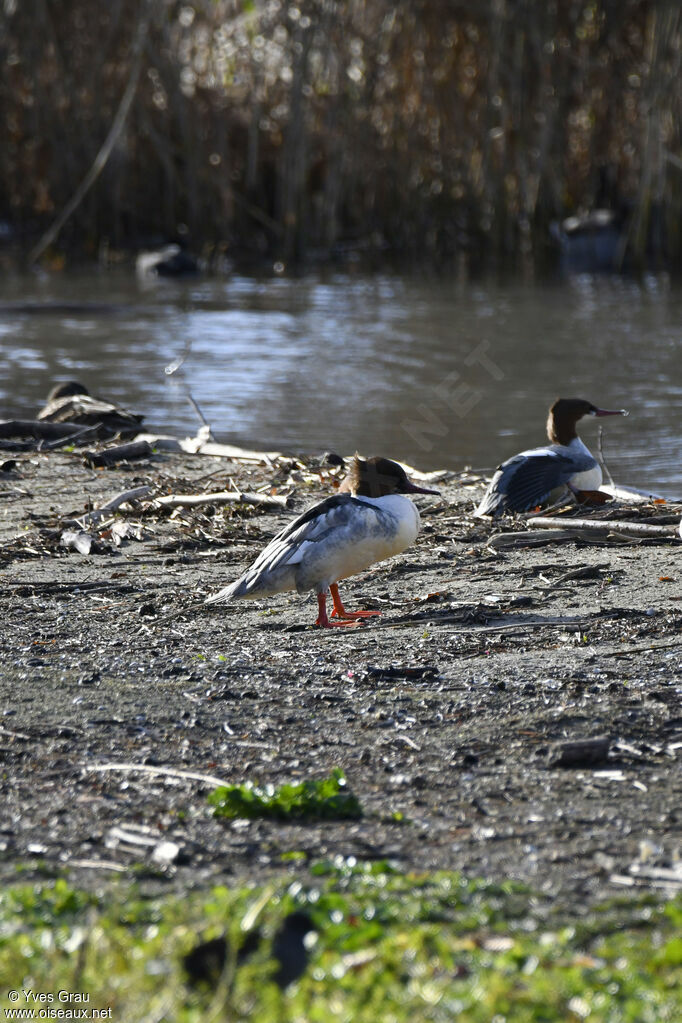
368,522
528,479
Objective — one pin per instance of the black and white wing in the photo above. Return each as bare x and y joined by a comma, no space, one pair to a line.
525,481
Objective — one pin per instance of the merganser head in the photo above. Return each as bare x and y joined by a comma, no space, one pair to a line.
67,390
331,458
379,477
565,413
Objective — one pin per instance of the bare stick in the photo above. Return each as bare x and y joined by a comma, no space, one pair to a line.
170,772
603,526
173,368
115,502
97,865
199,446
527,539
601,457
641,649
222,497
70,439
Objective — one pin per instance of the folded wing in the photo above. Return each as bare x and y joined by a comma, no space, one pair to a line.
525,481
333,519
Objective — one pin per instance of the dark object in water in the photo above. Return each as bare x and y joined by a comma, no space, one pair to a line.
70,402
60,308
171,260
592,242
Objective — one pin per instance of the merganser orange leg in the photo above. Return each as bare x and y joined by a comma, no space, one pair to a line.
322,619
340,611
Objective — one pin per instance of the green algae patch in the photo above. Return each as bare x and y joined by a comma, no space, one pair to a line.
328,799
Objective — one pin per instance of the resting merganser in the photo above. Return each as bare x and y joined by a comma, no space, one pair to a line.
528,479
71,402
368,521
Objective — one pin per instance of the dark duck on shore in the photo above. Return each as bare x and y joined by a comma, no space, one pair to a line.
532,477
370,520
71,402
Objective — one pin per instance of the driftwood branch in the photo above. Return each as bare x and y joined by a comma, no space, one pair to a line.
222,497
121,453
528,539
199,446
94,516
39,429
602,526
630,495
76,438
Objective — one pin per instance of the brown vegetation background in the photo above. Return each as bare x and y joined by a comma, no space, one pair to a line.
269,129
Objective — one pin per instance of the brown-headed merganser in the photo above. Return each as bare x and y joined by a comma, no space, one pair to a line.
369,521
528,479
71,402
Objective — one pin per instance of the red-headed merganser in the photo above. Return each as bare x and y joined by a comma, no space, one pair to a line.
337,538
528,479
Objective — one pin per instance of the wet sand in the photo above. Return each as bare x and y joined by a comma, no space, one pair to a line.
445,713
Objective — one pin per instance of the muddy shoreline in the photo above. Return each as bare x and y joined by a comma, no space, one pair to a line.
443,713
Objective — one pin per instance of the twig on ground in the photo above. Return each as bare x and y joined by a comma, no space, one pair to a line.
169,772
94,516
97,865
222,497
73,438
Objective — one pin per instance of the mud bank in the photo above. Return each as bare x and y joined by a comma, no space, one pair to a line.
445,713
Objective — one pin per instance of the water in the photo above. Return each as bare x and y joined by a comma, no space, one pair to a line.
439,374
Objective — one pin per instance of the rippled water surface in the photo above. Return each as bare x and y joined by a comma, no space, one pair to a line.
435,373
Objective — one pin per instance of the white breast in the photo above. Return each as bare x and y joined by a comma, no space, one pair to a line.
588,475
